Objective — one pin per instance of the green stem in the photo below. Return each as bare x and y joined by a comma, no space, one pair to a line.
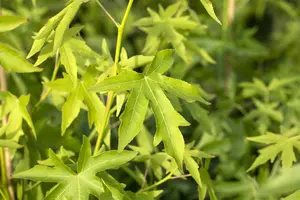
168,177
110,97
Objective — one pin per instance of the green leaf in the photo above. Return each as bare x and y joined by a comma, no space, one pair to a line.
11,60
71,109
95,107
179,88
149,88
9,144
64,24
62,84
126,80
69,61
23,101
161,63
136,61
193,167
294,196
210,10
8,23
167,121
71,184
51,24
278,143
37,45
133,116
45,53
120,101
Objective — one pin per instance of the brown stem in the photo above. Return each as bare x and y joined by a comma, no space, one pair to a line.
7,158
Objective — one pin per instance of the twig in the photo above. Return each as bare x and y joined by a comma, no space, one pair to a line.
182,176
110,97
107,13
168,177
145,177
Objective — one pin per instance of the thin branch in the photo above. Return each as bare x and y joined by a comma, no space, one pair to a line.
110,97
145,177
182,176
6,154
168,177
107,13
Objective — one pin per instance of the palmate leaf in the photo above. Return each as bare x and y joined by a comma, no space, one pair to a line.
277,143
149,87
79,184
169,26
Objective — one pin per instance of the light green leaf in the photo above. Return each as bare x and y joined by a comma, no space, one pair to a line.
71,109
51,24
69,61
23,101
64,24
45,53
8,23
62,84
120,101
122,82
133,116
11,60
9,144
38,44
192,167
167,121
278,144
210,10
72,184
179,88
95,107
294,196
161,63
136,61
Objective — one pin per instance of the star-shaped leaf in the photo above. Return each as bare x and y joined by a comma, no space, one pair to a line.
150,87
169,26
83,182
283,144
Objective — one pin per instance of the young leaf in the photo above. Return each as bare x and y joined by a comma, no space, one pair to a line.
72,184
11,60
8,23
210,10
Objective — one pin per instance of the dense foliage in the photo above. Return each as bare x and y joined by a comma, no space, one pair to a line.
141,100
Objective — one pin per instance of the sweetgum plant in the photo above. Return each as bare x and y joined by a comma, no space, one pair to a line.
81,122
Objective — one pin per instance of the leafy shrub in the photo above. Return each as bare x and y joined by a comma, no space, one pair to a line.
199,100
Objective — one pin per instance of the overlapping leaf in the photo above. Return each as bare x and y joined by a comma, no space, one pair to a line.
283,144
79,184
149,87
17,110
170,26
